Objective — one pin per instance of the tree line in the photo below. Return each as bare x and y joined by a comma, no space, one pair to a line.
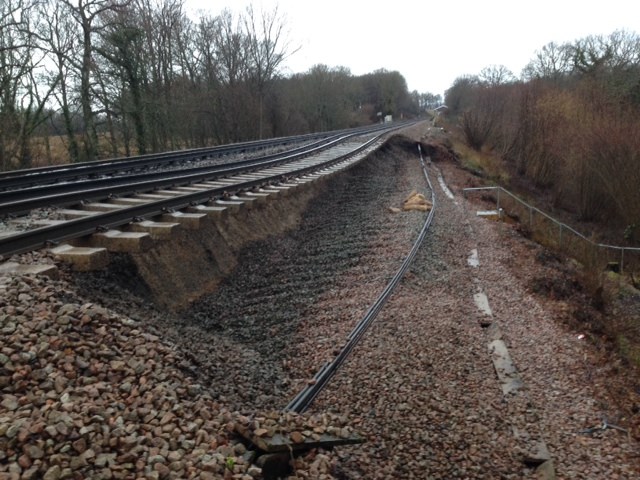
87,79
570,124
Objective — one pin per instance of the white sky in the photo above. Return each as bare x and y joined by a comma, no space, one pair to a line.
431,42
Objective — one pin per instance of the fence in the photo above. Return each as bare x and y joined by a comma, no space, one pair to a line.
561,237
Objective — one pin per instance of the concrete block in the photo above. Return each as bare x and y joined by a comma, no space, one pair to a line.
71,214
102,207
190,189
259,197
283,189
127,201
505,369
546,471
12,268
490,214
230,204
157,230
278,170
227,182
154,196
211,211
117,241
82,259
289,185
482,303
206,185
248,177
190,221
247,201
170,193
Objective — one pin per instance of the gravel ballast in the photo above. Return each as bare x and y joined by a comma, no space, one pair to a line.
98,384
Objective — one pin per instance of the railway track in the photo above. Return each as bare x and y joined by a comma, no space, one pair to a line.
140,196
108,195
336,155
303,400
14,179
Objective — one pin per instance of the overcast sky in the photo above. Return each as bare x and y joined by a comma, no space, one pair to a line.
432,42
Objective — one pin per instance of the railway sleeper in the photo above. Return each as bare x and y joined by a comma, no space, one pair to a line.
189,221
82,259
118,241
13,268
102,207
210,211
157,230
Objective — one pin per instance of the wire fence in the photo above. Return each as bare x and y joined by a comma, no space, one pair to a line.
560,236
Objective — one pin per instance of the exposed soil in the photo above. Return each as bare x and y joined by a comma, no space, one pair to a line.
421,387
254,318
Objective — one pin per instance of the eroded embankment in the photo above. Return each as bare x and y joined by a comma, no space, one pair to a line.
257,299
193,262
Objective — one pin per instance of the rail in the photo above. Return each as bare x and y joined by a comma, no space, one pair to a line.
564,231
51,235
14,179
304,398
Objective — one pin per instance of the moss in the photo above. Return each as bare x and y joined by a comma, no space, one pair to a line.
629,350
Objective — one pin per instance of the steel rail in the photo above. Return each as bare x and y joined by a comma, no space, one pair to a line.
306,396
51,235
39,175
19,202
20,178
22,201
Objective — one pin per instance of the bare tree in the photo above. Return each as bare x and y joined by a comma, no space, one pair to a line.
57,37
121,45
232,47
495,75
21,102
13,67
268,48
551,62
87,14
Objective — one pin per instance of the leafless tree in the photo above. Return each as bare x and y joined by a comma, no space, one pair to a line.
22,102
551,62
87,15
57,37
268,48
495,75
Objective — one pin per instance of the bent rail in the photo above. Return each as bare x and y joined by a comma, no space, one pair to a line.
305,398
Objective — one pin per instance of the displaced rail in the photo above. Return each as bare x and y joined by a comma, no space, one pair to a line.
305,398
187,190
